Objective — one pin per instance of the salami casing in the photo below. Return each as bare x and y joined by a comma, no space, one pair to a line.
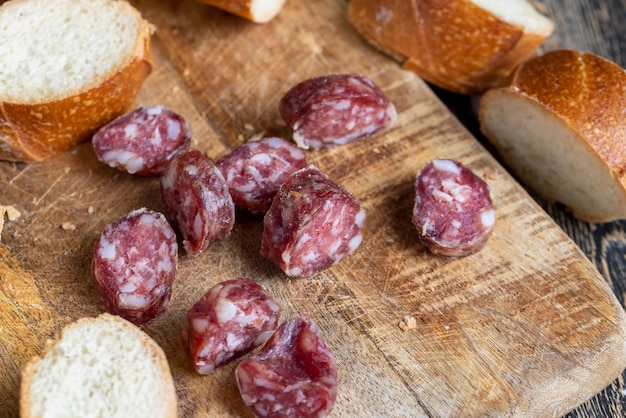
143,141
312,224
453,211
232,318
335,109
134,265
255,170
293,376
197,200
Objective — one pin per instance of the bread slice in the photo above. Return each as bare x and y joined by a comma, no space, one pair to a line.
464,46
68,68
99,367
560,126
259,11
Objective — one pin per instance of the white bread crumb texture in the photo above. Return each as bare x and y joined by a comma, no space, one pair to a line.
102,367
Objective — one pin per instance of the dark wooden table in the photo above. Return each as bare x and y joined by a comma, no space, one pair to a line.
597,26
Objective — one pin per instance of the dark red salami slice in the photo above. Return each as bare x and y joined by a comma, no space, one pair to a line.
453,211
231,319
293,376
197,200
134,265
335,109
143,141
312,224
255,170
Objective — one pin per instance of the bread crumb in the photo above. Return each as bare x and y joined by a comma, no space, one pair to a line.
248,127
68,226
91,210
257,136
12,213
407,323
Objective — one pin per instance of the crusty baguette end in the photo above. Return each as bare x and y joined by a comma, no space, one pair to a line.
559,126
86,63
258,11
465,46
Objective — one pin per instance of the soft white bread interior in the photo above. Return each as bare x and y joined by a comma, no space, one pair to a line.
560,126
99,367
465,46
68,67
259,11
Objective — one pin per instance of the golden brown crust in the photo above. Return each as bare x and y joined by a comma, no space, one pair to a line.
36,131
42,130
588,92
453,44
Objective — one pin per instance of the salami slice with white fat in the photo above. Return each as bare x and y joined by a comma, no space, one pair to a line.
231,319
255,170
143,141
293,376
335,109
312,224
197,200
453,211
134,265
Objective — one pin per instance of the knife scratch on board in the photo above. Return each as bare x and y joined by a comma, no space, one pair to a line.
54,183
20,174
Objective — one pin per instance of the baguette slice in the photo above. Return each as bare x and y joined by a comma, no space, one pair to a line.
464,46
68,68
99,367
259,11
560,126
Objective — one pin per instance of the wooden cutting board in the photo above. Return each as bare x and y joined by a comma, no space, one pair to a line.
526,327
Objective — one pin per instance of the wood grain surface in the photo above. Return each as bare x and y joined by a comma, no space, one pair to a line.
526,327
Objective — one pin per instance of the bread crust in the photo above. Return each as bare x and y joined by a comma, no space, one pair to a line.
453,44
150,346
585,90
586,94
259,11
34,131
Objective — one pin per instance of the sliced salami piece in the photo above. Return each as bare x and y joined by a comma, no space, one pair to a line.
293,376
197,200
134,265
143,141
231,319
335,109
255,170
453,211
312,224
